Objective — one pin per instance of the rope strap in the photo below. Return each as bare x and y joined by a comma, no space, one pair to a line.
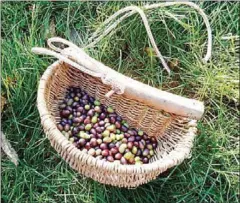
111,78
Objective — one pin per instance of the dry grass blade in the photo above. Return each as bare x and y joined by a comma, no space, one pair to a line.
8,150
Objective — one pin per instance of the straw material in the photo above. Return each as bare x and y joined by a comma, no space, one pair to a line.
175,134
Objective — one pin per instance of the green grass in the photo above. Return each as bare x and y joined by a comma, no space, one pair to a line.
210,175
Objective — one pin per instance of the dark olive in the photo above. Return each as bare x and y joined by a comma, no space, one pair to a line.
102,116
138,138
124,128
114,150
111,145
75,130
65,113
67,127
145,160
80,109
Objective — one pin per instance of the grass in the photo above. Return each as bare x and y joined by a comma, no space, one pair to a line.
212,172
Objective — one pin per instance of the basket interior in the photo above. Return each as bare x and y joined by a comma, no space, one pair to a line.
168,128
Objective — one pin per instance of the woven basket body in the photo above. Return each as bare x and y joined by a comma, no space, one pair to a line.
175,134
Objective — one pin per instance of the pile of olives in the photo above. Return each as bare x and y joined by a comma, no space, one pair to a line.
99,131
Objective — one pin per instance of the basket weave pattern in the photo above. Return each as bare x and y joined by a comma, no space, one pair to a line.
175,134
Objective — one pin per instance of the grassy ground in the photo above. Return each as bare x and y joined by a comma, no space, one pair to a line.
211,175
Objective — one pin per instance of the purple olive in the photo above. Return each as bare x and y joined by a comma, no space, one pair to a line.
102,116
75,130
65,113
124,128
111,145
118,118
112,120
154,145
145,160
82,142
99,129
81,127
80,109
136,144
67,127
138,138
101,123
90,112
87,146
93,131
131,139
103,146
76,120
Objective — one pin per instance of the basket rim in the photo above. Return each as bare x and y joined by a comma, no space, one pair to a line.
174,157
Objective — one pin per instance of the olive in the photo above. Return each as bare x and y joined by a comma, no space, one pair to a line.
99,136
85,97
130,132
87,107
94,119
67,127
74,105
140,133
145,152
149,146
151,152
111,145
110,109
98,152
111,128
124,140
75,130
138,138
148,141
60,127
70,101
65,113
93,142
97,103
107,139
62,106
136,144
99,141
106,120
80,109
87,121
118,118
134,150
130,145
81,127
124,128
114,151
118,124
101,123
102,116
123,161
90,112
97,109
122,148
76,120
118,156
105,152
113,136
145,160
93,131
92,151
76,98
99,129
71,140
78,114
110,158
131,139
82,142
87,146
103,146
128,155
106,133
112,120
154,145
131,161
145,137
88,127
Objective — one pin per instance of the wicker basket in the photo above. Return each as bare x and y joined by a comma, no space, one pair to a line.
170,118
